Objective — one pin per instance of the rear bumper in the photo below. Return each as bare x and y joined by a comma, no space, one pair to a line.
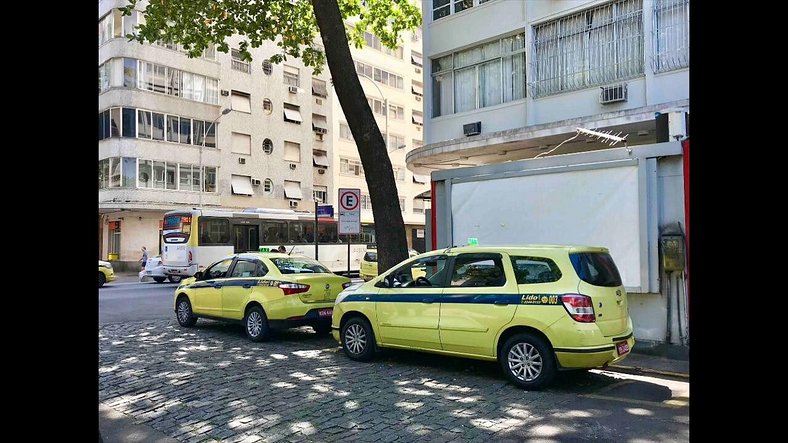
594,356
183,271
311,318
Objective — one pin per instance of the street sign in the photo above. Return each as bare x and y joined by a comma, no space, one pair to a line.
325,211
349,210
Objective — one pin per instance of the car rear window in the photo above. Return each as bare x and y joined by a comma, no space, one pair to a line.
530,270
596,268
299,265
371,256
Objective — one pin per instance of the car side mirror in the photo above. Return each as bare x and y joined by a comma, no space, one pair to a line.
384,283
198,275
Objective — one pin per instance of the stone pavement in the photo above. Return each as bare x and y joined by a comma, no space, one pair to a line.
164,383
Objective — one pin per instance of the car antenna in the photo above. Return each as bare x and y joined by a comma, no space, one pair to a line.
291,250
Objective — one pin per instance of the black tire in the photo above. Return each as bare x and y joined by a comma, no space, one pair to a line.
532,365
358,339
174,278
322,329
159,279
256,324
102,279
183,312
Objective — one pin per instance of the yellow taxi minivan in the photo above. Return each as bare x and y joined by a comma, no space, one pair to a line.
262,291
369,262
534,309
106,273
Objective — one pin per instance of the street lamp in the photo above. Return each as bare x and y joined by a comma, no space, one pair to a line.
385,105
225,111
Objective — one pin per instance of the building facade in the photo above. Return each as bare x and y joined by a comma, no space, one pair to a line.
522,88
178,132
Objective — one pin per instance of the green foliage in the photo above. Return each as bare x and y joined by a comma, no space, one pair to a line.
197,24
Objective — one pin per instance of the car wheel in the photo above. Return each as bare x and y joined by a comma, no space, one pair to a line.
322,329
102,279
528,361
184,313
358,339
256,324
159,279
174,278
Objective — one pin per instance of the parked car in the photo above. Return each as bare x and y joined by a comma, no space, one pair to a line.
534,309
369,263
155,270
105,273
261,291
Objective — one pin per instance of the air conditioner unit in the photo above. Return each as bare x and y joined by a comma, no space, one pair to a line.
241,160
474,128
321,171
318,101
418,98
613,93
292,165
256,182
320,130
293,89
293,203
225,93
418,70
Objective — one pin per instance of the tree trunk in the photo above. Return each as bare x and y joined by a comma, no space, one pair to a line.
389,227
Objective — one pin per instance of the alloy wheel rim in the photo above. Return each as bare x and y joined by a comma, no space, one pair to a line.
525,362
355,339
183,311
254,324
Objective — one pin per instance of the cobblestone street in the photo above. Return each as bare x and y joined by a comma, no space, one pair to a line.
209,383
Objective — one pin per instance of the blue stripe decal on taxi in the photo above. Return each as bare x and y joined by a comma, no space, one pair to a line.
501,299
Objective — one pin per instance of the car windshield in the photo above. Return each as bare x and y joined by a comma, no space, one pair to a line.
371,256
299,265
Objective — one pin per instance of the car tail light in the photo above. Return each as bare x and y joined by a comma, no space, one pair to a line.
293,288
579,307
190,257
346,285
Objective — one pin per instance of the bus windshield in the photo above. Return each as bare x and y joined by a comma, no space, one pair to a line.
177,228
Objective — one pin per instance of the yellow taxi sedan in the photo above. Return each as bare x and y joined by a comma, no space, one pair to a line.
262,291
534,309
105,273
369,263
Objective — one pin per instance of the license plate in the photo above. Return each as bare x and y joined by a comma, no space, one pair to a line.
329,312
622,347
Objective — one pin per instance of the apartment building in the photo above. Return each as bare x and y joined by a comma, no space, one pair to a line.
176,132
521,87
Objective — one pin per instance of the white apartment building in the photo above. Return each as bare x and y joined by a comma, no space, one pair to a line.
523,75
215,131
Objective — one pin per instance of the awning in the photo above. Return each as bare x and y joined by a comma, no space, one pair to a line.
293,190
242,184
416,59
418,119
320,158
426,195
319,88
293,115
319,122
417,178
418,90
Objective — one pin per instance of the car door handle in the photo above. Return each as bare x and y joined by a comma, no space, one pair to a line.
501,302
246,285
427,300
217,286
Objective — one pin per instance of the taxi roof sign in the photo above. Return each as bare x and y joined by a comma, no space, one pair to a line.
473,241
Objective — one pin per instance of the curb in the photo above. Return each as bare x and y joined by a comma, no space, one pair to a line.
639,371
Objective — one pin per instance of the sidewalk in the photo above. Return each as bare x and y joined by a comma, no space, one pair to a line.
644,364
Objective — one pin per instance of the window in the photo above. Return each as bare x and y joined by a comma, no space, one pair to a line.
373,41
588,48
210,179
158,126
320,193
478,270
366,202
344,132
528,270
185,178
596,268
350,167
394,142
292,113
319,88
418,205
268,186
380,75
242,185
129,172
268,68
291,75
396,112
319,158
268,107
241,102
219,270
293,190
440,9
410,276
170,81
417,88
248,268
238,64
268,146
186,130
399,173
417,117
292,152
144,123
241,143
402,203
214,231
671,35
319,123
416,59
114,238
